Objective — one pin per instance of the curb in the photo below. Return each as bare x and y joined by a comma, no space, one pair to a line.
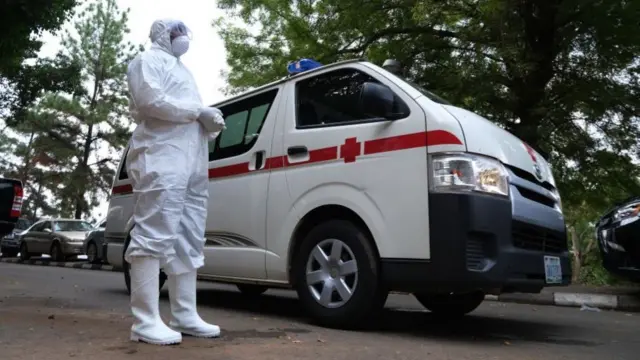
594,302
69,265
600,301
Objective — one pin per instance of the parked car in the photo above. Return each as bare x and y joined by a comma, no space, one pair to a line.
310,180
60,238
10,204
94,245
618,232
10,243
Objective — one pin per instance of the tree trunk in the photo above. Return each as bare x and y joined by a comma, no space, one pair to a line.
84,171
577,255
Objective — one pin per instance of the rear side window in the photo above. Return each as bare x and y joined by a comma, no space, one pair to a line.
123,169
244,120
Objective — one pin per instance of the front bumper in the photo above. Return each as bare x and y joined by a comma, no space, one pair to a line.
74,248
476,245
620,248
10,243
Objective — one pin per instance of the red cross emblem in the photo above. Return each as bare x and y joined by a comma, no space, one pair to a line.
350,150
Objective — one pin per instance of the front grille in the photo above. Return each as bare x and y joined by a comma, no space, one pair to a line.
532,237
529,177
535,196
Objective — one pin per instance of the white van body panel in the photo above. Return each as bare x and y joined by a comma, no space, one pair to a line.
484,137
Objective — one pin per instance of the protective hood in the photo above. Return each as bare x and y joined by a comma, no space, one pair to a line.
160,34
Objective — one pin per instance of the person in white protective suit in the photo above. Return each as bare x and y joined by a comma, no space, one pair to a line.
167,163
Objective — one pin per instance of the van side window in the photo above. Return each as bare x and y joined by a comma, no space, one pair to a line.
123,170
244,120
333,98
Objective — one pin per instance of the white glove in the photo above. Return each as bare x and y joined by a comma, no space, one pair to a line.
211,120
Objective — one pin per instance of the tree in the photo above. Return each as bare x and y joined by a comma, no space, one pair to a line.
22,21
563,75
85,129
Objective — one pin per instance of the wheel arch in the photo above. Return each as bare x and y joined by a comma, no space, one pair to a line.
317,216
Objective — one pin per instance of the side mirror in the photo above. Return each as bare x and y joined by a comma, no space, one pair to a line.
378,100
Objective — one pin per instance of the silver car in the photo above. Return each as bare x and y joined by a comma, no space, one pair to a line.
62,239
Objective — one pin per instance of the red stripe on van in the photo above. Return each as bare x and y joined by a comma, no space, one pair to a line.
122,189
410,141
393,143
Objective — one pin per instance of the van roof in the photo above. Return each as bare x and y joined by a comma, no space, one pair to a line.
287,78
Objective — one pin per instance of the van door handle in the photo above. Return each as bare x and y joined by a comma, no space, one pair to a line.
297,150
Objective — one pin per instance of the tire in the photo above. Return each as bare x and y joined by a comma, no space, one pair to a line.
24,252
127,277
56,253
92,253
367,294
451,305
251,290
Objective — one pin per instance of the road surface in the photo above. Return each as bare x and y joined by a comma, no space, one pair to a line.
58,313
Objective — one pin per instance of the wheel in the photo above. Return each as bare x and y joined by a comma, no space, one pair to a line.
251,290
451,305
92,253
336,272
127,276
56,252
24,252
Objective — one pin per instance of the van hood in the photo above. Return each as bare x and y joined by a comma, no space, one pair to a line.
484,137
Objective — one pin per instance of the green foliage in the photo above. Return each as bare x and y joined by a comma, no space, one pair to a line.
21,22
71,136
87,121
563,75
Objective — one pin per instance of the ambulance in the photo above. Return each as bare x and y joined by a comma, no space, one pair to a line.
346,181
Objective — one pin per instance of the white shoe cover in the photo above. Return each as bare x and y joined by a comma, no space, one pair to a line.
184,315
148,326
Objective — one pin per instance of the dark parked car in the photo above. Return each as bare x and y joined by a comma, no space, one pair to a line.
10,204
10,243
618,234
94,245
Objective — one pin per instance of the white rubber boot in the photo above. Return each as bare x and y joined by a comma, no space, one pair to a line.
184,315
148,326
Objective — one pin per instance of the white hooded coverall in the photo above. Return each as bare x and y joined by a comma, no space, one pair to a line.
167,159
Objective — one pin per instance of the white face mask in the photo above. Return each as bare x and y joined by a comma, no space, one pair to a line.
180,45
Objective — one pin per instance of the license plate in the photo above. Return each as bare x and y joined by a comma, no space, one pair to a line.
552,270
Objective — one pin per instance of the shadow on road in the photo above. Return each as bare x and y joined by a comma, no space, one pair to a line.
406,323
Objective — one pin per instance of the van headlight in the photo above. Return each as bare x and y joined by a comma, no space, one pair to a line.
468,172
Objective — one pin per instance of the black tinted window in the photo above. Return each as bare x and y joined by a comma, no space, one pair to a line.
123,169
332,98
244,120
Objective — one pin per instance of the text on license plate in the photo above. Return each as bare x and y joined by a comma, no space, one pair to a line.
552,270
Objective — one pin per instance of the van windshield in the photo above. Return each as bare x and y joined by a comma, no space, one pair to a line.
427,93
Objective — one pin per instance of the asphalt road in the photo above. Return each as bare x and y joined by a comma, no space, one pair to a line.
58,313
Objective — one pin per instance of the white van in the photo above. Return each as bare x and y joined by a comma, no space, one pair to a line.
346,182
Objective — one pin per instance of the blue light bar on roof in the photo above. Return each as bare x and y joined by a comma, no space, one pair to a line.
302,65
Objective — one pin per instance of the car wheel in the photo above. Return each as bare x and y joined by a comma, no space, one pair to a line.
24,252
92,253
127,276
56,253
251,290
451,305
336,275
